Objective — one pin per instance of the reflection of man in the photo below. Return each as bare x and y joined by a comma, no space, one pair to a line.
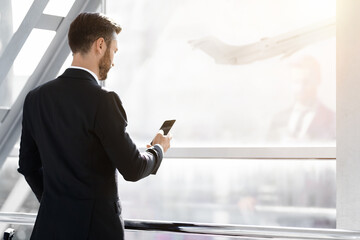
74,138
307,118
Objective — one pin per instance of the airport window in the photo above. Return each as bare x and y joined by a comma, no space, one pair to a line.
238,76
275,88
170,60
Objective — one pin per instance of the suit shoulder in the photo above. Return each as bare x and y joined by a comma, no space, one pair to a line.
107,93
109,99
42,86
32,93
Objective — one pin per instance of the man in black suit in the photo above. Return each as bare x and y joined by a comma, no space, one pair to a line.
74,138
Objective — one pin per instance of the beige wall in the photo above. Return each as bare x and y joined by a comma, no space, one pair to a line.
348,113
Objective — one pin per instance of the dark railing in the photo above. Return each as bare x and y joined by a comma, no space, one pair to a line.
242,231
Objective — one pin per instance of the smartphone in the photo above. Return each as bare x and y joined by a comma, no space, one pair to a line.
166,126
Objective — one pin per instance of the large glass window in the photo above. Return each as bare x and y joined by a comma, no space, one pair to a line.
233,73
294,193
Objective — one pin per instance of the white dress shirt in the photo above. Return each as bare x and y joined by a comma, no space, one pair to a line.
91,72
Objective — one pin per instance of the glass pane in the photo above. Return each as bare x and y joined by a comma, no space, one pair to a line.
19,10
15,196
29,57
9,177
293,193
11,15
59,8
66,64
174,64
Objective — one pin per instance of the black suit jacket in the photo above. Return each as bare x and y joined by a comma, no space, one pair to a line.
73,140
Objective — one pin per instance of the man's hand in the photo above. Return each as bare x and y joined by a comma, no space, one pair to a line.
164,141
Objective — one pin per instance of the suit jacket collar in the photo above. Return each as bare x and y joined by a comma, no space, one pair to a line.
79,74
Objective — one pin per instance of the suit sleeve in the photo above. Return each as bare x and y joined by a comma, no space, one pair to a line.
110,127
29,158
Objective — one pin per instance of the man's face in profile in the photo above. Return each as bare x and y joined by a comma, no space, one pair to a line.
106,62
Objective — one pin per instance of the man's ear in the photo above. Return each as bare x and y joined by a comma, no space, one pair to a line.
100,45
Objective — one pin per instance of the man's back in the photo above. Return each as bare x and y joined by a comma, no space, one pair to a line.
63,121
73,141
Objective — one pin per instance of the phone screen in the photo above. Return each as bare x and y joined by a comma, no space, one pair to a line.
167,125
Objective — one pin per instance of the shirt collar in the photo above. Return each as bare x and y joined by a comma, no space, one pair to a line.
85,69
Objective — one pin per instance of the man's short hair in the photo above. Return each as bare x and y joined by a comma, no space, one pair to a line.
87,28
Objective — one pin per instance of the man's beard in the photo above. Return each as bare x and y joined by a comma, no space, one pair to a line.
104,65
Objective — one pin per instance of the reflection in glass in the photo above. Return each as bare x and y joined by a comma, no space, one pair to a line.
215,104
308,118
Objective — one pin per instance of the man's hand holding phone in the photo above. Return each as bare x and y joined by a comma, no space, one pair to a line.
163,137
163,140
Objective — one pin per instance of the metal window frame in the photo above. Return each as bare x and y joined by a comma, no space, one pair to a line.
289,153
269,153
226,230
20,36
48,67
